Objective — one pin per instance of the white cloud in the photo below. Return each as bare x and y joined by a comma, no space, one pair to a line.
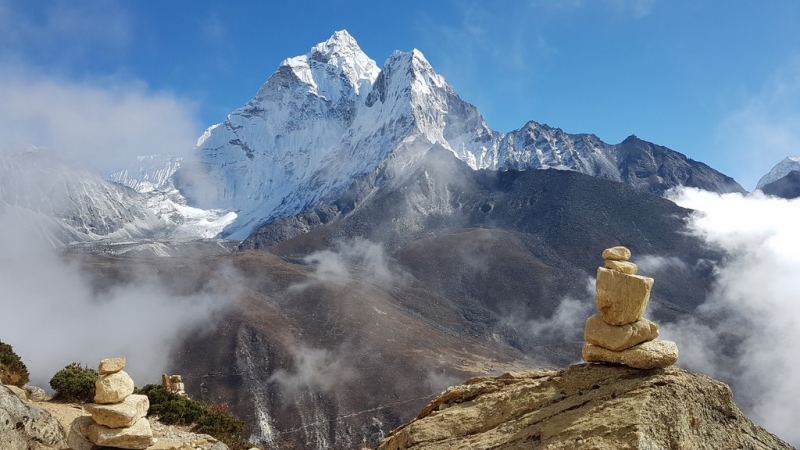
106,122
765,126
753,304
53,316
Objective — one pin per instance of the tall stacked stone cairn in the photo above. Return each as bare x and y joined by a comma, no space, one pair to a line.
117,417
619,334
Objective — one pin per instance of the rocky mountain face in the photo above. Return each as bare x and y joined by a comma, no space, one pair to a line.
599,406
328,118
787,186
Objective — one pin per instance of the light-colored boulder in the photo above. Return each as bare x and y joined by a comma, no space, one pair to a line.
621,298
617,253
119,415
138,436
76,439
20,393
648,355
622,266
111,365
113,387
25,426
36,394
618,337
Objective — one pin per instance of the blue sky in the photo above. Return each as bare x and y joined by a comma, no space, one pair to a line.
716,80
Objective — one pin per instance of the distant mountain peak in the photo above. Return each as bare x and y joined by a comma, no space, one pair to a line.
780,170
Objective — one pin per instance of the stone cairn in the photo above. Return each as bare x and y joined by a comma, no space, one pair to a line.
117,417
619,334
173,383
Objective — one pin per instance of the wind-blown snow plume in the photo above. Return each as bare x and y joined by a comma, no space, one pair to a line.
753,304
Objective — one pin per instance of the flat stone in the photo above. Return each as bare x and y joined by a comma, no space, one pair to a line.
111,365
618,337
138,436
119,415
76,439
622,266
621,298
113,387
648,355
617,253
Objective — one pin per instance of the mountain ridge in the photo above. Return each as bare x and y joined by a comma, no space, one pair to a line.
324,119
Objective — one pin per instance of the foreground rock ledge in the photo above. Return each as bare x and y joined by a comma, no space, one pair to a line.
598,406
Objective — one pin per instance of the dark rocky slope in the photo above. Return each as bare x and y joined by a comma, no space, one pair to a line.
786,187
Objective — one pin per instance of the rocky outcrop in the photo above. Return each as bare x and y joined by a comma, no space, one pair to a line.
27,427
597,406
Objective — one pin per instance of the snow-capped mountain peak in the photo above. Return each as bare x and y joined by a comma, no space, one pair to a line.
780,170
327,62
324,119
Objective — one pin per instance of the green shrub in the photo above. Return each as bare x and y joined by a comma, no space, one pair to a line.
174,409
74,383
12,369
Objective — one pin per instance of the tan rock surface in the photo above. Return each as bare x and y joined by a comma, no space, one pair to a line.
622,266
648,355
596,406
138,436
621,298
618,253
618,337
76,439
113,387
118,415
111,365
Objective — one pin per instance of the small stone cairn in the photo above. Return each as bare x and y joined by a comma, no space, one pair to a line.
619,334
117,417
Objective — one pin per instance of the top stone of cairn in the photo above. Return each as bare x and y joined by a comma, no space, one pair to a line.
617,254
111,365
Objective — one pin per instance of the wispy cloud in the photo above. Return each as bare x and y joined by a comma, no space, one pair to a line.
764,127
53,315
105,121
752,337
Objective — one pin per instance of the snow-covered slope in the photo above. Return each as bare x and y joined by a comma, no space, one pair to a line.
327,118
148,173
780,170
68,202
